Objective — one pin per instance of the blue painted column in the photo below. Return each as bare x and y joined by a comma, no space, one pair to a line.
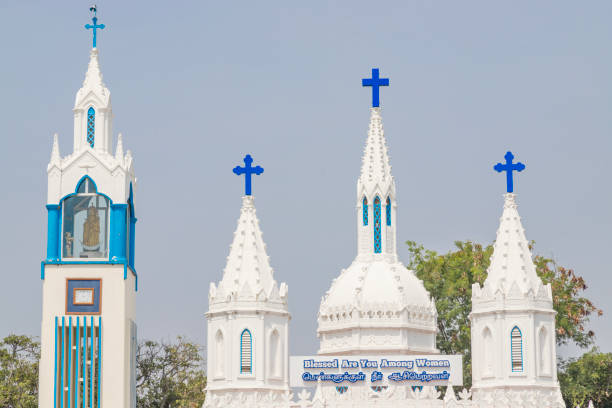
117,232
132,239
53,232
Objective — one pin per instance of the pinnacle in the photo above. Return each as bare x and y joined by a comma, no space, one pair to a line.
511,262
248,262
55,152
375,168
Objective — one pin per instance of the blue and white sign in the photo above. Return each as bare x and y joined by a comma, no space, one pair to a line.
306,371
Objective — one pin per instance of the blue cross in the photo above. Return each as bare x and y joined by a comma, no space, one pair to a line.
95,25
247,170
509,167
375,82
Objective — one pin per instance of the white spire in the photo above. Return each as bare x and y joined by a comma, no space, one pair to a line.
119,149
375,167
511,260
93,81
248,274
55,152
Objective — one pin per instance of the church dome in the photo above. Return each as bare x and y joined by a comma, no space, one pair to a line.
377,305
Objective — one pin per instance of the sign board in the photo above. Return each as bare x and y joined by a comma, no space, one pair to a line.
306,371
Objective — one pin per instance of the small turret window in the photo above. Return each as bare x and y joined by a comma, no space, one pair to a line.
91,126
377,243
516,345
246,352
85,223
388,211
365,211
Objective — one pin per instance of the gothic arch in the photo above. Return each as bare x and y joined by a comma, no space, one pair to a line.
377,226
516,349
246,352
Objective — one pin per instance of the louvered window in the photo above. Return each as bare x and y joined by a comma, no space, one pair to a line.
365,211
516,339
246,352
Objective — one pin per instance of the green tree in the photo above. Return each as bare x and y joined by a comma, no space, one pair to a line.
19,357
170,375
587,378
449,278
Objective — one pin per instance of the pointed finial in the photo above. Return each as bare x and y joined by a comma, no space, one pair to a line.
55,152
119,149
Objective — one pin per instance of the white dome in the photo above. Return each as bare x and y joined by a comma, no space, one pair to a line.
371,285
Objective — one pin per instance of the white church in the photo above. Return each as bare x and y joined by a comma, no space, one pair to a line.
376,323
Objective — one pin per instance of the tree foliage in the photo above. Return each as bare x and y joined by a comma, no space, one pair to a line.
170,374
587,378
19,357
449,278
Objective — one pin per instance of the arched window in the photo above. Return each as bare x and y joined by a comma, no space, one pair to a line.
365,211
276,355
487,352
246,352
85,223
377,243
388,211
544,352
516,345
91,126
219,354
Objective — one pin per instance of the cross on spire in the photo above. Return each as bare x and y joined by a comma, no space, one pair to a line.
247,170
375,82
95,25
509,167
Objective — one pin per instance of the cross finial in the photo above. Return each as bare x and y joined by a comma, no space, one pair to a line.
247,170
375,82
509,167
95,24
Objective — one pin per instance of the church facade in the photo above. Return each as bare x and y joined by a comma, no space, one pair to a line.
89,281
377,307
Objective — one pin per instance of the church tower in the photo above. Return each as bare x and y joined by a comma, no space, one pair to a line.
248,320
376,305
88,333
512,319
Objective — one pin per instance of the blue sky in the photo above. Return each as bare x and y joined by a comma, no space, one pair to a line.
198,84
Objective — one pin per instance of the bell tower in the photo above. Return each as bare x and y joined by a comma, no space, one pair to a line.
88,332
247,320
